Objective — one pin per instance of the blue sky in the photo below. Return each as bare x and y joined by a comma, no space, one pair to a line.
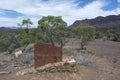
14,11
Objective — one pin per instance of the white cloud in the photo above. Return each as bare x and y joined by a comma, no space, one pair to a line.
14,21
68,9
1,13
119,1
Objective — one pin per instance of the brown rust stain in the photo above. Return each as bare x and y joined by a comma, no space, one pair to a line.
46,53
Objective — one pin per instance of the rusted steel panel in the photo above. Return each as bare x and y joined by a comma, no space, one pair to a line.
46,53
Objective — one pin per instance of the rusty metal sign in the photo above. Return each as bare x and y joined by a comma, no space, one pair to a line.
46,53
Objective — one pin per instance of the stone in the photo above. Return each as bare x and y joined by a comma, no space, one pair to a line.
5,72
67,65
18,53
26,71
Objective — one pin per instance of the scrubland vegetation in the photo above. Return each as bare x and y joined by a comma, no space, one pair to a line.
52,30
96,50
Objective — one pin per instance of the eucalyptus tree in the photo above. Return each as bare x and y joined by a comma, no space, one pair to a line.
27,23
52,28
26,36
85,33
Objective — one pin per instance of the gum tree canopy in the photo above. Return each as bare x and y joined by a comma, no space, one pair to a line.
52,28
85,33
27,23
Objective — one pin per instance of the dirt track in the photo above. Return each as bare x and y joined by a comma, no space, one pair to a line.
106,65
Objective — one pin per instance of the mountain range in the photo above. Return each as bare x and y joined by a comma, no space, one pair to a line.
9,29
111,21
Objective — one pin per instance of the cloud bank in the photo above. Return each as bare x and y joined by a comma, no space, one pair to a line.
70,10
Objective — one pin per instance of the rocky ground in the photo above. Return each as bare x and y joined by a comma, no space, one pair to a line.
101,61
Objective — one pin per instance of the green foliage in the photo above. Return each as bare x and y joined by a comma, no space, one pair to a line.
8,42
117,36
98,35
27,23
85,33
52,28
40,38
113,35
11,40
24,39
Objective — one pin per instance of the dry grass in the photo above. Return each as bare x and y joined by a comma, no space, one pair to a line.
100,62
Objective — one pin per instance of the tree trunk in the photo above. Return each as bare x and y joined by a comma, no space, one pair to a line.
52,42
82,45
51,39
61,43
27,29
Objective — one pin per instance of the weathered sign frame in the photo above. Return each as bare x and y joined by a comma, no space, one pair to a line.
46,53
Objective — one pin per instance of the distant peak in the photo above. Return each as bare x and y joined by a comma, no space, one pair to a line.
110,21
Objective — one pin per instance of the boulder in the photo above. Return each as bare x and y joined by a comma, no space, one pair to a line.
18,53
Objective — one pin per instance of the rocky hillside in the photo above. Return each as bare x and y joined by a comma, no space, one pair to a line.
9,29
111,21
